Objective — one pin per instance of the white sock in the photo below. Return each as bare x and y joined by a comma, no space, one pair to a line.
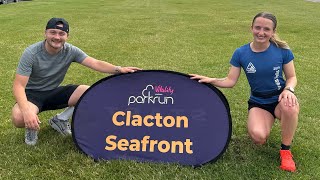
66,114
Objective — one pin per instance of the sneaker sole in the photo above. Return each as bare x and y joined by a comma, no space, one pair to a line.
285,169
30,143
57,128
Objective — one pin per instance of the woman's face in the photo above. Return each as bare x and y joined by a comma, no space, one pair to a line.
262,30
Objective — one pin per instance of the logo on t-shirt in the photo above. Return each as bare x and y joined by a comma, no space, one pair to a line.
251,68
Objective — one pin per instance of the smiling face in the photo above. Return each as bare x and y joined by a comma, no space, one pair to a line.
55,39
262,29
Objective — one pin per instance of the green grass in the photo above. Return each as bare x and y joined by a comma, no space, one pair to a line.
188,36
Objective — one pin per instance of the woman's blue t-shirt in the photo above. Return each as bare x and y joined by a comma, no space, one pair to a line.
263,71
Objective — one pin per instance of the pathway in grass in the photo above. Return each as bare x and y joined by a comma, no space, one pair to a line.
313,0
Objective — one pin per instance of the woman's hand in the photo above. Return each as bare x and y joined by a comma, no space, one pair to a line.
288,97
202,79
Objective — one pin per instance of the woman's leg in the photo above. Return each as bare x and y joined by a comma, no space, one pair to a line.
288,116
259,124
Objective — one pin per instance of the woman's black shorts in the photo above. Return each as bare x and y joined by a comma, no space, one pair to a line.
268,107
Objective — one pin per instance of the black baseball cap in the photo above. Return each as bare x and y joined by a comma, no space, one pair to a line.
54,22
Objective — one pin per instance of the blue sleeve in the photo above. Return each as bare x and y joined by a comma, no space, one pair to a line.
287,56
235,60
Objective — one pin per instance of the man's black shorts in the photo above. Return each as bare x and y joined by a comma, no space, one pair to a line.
268,107
53,99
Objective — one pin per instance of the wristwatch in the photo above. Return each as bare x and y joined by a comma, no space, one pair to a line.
291,89
117,69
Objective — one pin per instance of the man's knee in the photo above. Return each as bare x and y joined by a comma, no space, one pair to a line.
82,88
17,117
77,94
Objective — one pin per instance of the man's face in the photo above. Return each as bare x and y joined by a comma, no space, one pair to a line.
56,37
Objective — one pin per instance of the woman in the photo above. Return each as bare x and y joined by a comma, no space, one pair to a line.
263,60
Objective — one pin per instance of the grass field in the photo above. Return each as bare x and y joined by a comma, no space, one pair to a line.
188,36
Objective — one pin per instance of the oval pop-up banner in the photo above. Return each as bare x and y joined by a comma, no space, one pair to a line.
152,115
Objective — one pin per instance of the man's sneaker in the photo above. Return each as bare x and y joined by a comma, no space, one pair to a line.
61,126
287,162
31,137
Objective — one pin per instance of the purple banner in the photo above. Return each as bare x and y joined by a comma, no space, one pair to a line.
152,115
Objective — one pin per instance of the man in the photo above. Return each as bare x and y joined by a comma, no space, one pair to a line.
41,69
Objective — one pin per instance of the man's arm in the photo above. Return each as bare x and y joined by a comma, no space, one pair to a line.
19,85
31,119
106,67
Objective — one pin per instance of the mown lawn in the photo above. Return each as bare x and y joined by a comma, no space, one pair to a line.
194,36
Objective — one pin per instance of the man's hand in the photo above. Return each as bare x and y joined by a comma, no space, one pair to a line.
128,69
31,120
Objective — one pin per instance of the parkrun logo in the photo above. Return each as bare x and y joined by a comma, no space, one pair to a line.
157,94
